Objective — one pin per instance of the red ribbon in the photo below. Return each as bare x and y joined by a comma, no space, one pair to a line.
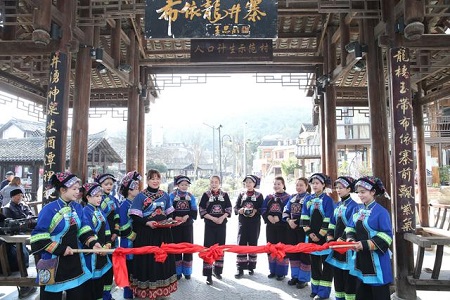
211,254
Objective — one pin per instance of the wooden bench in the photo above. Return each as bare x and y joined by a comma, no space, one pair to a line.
7,277
426,237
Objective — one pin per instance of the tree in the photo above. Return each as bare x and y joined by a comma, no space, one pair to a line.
288,166
162,168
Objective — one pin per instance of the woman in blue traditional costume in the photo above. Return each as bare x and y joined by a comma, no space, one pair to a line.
276,231
151,279
99,264
129,189
110,208
59,230
317,211
344,283
214,208
248,208
300,262
185,213
371,228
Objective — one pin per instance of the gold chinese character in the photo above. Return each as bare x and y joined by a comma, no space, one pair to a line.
53,92
252,48
51,142
405,139
405,191
55,76
52,108
233,13
50,127
55,61
199,49
407,209
407,225
191,10
242,48
50,160
402,71
403,88
404,104
405,122
401,55
47,175
254,13
405,157
264,48
406,173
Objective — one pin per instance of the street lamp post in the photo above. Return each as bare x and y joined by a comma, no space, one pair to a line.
245,151
220,152
213,147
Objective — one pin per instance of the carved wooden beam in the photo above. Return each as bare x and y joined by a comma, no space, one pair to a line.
19,48
19,92
435,96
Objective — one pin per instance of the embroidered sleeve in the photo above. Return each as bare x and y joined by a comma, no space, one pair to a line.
193,211
238,204
383,238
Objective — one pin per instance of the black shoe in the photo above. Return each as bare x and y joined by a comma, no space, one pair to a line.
312,295
293,281
178,277
239,274
218,276
271,275
301,284
280,278
187,277
209,280
320,298
251,272
25,291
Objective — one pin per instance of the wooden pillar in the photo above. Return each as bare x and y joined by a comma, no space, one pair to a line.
323,139
345,38
133,112
331,131
42,17
330,116
115,42
81,103
68,8
142,134
421,159
378,109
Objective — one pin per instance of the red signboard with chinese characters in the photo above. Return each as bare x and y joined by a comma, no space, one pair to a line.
54,109
231,50
211,19
402,137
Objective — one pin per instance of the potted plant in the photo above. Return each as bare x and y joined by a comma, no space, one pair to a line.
444,175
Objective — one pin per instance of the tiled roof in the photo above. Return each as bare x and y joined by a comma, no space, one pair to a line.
31,127
32,149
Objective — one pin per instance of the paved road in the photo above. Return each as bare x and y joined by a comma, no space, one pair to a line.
249,287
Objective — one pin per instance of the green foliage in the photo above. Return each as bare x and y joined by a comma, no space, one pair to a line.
343,168
288,166
198,187
162,168
444,174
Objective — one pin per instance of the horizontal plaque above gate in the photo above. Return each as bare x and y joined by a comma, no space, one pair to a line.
227,50
211,19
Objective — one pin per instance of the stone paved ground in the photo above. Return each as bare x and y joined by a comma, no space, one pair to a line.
257,286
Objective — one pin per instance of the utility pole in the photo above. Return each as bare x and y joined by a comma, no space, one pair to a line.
220,152
245,151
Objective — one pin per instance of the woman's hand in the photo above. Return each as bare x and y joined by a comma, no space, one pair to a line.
97,246
151,224
113,237
291,223
358,246
270,218
314,237
68,251
276,219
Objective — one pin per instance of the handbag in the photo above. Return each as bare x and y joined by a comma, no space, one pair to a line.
46,271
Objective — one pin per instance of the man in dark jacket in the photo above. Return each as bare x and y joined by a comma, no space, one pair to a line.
16,210
8,177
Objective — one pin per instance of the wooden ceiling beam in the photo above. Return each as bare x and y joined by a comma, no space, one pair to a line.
435,96
244,68
59,19
279,60
19,92
23,82
28,48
